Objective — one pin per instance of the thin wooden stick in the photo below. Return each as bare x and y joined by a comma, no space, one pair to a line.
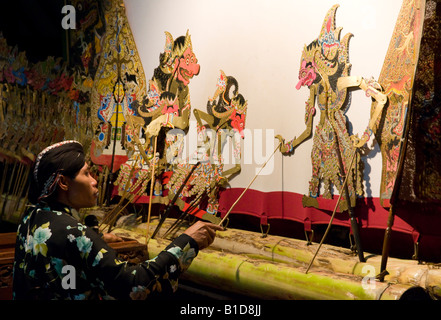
126,195
333,213
100,180
2,185
22,184
128,186
104,186
152,185
131,199
5,173
175,198
17,179
249,185
193,207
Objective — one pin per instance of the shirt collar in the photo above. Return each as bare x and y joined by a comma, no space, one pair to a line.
58,206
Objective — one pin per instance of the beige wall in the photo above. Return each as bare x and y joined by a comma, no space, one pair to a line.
259,42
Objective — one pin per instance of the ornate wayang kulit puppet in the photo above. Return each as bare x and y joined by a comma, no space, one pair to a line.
397,77
324,61
421,172
119,80
225,117
165,106
324,69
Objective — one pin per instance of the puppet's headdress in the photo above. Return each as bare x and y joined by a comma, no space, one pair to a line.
173,50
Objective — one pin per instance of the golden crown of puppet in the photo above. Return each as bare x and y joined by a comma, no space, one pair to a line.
323,50
172,52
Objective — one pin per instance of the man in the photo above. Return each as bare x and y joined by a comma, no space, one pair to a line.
56,257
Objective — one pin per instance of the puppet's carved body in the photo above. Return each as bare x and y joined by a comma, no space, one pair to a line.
225,117
323,62
166,106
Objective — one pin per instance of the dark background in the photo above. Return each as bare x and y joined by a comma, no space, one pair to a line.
34,26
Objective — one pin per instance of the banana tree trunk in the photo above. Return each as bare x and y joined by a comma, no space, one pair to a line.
274,267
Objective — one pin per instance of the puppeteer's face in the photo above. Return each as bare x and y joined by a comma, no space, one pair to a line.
83,191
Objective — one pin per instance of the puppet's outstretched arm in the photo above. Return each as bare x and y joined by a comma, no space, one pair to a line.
288,147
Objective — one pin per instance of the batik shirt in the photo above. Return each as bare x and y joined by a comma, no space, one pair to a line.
56,257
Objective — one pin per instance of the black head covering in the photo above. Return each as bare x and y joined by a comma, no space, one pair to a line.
63,158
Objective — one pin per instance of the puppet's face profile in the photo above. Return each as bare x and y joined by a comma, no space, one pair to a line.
327,56
179,59
188,66
307,74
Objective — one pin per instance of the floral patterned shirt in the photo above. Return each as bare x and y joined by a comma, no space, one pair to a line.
56,257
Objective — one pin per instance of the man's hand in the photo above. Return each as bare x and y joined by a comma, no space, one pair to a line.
203,233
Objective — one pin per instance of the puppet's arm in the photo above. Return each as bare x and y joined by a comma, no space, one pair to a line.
373,89
288,147
200,115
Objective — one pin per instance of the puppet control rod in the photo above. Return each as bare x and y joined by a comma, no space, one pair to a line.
381,99
170,205
333,214
243,192
231,208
